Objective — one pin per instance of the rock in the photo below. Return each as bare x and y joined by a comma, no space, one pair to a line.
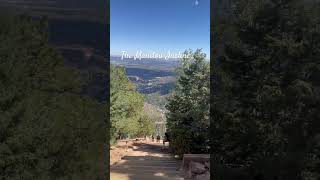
199,158
205,176
194,164
188,174
197,168
207,165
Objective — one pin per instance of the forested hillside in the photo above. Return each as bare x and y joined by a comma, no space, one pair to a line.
128,118
48,128
154,78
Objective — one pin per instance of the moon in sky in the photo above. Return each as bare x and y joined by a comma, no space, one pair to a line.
196,3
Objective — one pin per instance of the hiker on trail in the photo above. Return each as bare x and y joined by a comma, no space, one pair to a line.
165,139
158,139
126,149
152,138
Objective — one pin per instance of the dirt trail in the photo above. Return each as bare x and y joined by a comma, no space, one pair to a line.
146,161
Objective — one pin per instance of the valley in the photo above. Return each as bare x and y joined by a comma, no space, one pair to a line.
155,79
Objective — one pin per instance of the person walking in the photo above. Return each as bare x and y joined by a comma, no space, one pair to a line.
165,139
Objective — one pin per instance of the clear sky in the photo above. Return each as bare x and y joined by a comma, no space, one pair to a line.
159,26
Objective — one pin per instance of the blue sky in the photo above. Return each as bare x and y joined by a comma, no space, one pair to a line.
159,26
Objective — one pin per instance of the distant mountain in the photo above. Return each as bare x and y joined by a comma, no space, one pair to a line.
78,29
93,10
83,45
67,34
154,64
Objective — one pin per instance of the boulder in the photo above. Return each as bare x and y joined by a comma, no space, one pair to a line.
207,165
197,168
200,158
195,164
205,176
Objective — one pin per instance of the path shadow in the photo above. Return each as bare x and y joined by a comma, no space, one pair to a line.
152,148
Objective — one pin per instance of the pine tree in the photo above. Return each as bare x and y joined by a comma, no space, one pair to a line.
266,94
128,118
188,107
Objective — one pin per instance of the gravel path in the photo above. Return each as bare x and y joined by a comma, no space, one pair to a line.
146,161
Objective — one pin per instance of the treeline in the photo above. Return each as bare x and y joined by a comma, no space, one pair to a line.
127,115
266,101
48,130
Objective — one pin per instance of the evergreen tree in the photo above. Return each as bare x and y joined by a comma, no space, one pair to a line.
188,107
266,89
128,118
